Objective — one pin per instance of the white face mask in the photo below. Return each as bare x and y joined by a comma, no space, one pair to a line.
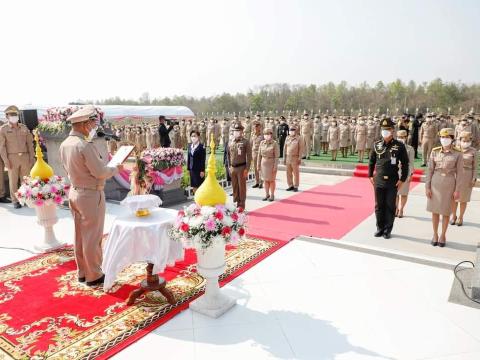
401,140
465,144
361,122
292,132
268,137
237,134
13,119
445,141
92,133
334,124
386,133
194,139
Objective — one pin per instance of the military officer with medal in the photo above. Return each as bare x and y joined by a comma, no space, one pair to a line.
385,158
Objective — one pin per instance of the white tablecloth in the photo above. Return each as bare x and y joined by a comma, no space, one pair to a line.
145,239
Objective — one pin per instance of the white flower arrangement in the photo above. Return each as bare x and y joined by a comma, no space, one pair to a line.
35,192
200,227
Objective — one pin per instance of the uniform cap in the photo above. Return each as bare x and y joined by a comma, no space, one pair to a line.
12,109
447,132
282,117
387,123
466,135
238,126
84,114
402,133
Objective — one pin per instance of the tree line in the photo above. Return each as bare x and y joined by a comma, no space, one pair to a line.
393,97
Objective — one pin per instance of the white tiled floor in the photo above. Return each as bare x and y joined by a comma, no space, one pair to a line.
358,306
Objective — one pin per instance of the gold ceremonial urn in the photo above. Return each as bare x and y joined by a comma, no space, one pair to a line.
41,169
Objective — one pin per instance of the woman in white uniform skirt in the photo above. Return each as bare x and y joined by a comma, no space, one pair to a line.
467,179
402,194
442,186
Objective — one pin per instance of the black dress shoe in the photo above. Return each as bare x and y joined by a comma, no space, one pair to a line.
378,233
99,281
295,189
423,165
441,244
387,235
81,279
265,198
290,188
4,200
255,186
17,205
434,243
260,186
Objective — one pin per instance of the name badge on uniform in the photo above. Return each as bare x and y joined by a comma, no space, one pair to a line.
393,160
239,150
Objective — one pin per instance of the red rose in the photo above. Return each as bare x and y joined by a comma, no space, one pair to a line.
184,227
219,215
226,231
46,181
241,231
66,187
235,217
240,210
181,213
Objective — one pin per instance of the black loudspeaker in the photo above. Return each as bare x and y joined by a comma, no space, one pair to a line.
29,118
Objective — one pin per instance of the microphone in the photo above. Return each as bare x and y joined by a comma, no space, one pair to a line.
107,136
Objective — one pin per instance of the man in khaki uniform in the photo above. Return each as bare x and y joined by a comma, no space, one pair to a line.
428,136
225,132
3,198
87,174
239,157
294,150
255,141
16,151
344,141
306,133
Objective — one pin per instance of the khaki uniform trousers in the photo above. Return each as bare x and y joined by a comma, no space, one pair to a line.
2,179
427,146
239,185
258,180
308,144
20,167
88,210
293,173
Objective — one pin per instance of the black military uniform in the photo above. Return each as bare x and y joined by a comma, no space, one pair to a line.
282,133
384,158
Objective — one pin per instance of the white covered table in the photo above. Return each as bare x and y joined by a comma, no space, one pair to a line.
142,239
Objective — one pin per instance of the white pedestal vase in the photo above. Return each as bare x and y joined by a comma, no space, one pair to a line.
211,264
47,217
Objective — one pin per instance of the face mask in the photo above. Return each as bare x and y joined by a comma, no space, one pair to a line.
465,144
386,133
361,122
334,124
92,133
445,141
13,119
292,132
194,139
268,137
236,134
402,140
464,123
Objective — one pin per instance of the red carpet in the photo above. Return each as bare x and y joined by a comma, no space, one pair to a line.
45,313
324,211
361,170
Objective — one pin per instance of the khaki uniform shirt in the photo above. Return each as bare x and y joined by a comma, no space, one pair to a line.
255,141
16,140
294,149
428,131
83,164
239,152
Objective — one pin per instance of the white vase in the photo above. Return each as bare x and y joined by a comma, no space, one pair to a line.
211,264
47,217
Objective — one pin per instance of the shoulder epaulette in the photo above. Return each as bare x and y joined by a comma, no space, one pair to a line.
437,148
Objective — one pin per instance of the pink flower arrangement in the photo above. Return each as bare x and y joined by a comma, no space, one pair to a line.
202,226
35,192
162,158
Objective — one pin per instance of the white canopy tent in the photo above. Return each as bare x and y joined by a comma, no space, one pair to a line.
120,111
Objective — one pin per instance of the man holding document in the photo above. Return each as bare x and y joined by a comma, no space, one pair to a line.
87,173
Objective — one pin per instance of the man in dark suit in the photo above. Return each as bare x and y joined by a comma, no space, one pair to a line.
196,160
164,132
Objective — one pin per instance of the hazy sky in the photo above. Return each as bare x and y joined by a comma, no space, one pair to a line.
59,51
